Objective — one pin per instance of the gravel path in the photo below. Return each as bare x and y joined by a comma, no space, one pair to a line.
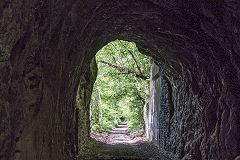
119,135
119,145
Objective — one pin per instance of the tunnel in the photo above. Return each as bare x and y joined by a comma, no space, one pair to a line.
46,48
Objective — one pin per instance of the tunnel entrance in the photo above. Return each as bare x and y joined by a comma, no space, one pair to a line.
121,118
115,122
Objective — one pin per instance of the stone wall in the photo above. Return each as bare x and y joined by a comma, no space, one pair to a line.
159,109
180,120
83,107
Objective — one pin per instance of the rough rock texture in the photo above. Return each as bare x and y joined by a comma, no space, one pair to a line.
161,110
46,46
83,107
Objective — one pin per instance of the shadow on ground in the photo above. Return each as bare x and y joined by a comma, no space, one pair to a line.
119,145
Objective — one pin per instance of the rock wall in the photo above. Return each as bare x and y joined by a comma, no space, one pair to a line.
46,46
83,107
160,110
181,121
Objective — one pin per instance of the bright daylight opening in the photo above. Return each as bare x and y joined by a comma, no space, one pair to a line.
120,95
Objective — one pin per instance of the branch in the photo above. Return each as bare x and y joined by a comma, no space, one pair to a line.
132,57
124,70
136,75
141,98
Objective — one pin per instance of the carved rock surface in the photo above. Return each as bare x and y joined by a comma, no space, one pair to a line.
46,46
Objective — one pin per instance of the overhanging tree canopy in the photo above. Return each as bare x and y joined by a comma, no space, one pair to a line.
122,86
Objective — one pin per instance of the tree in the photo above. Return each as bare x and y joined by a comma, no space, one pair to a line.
122,86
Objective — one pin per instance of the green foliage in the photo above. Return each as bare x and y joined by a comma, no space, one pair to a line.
122,86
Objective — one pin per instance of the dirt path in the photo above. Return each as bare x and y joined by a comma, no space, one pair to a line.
119,135
119,145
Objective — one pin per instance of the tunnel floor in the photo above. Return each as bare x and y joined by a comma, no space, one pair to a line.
119,145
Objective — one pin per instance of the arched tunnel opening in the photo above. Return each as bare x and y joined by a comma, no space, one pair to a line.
118,113
122,92
46,48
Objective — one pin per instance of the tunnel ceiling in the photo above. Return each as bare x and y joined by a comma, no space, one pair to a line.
176,34
45,47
